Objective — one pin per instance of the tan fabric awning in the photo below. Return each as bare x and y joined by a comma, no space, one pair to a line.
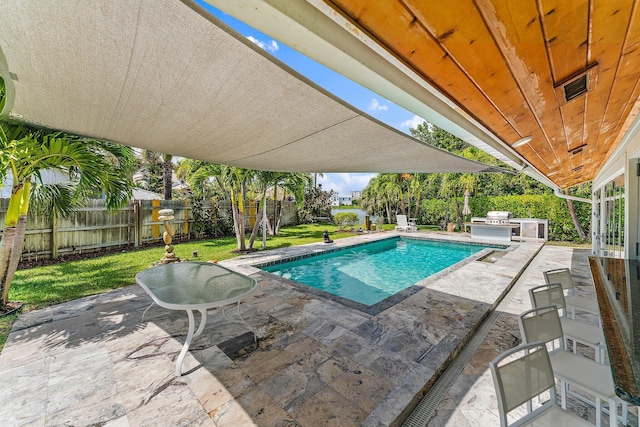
169,77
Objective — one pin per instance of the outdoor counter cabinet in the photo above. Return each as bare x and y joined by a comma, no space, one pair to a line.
617,283
193,286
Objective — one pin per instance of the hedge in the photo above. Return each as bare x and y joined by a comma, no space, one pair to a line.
544,206
344,219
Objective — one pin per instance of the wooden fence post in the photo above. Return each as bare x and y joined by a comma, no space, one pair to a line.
155,215
137,224
54,236
185,225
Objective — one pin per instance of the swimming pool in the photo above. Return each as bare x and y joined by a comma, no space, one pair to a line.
371,272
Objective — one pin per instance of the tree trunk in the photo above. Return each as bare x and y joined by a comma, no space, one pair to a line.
238,225
576,223
458,211
280,210
166,179
256,226
269,226
388,207
7,245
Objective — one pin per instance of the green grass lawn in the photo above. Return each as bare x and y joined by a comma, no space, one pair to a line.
40,287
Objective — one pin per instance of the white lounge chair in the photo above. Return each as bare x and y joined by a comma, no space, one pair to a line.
403,224
572,370
574,302
578,332
526,381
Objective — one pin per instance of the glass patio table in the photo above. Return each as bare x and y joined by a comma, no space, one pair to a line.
193,286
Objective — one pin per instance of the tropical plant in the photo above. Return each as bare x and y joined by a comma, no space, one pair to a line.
167,175
231,183
90,165
316,204
292,182
344,219
158,172
263,180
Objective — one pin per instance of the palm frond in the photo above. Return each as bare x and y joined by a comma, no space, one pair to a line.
48,200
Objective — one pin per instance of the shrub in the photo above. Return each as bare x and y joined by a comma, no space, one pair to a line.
543,206
344,219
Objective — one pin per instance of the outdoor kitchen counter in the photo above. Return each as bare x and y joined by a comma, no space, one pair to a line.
617,283
498,232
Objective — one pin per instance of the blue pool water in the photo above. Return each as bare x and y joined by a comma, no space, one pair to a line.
372,272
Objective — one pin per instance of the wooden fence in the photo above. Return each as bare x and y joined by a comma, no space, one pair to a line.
92,228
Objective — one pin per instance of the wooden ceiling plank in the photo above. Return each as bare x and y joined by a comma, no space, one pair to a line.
460,33
462,36
517,31
509,86
565,25
625,90
566,29
633,109
610,22
395,28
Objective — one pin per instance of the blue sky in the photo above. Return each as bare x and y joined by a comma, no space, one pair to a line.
356,95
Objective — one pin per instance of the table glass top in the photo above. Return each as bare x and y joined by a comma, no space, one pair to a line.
191,284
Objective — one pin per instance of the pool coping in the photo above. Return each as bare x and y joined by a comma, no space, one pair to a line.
399,296
482,282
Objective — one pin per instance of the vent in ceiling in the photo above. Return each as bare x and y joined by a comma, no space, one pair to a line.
575,88
578,149
577,84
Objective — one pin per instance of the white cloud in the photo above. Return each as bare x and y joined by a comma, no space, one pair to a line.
345,183
271,46
376,106
413,122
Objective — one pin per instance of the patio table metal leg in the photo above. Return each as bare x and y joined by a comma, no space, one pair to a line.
242,321
145,312
190,336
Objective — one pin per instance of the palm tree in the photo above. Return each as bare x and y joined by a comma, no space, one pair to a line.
293,183
315,179
232,183
263,180
167,175
159,170
91,166
381,194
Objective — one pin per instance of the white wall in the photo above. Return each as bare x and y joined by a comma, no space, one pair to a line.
624,160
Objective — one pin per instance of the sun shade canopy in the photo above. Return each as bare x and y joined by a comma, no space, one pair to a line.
168,77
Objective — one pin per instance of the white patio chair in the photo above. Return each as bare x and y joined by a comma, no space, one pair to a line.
573,302
543,324
523,377
578,332
403,224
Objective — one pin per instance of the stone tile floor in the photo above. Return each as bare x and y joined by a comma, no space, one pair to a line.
317,362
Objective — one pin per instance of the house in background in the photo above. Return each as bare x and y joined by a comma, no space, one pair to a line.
338,200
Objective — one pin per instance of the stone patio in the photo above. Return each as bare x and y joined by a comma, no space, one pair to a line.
317,362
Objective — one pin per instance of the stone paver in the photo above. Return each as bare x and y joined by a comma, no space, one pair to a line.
318,361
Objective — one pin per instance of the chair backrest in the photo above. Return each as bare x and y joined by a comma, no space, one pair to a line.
402,220
562,276
520,375
542,324
550,294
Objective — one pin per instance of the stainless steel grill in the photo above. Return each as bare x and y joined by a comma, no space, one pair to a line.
498,217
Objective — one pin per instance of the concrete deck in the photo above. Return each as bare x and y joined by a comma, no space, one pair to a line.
318,361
